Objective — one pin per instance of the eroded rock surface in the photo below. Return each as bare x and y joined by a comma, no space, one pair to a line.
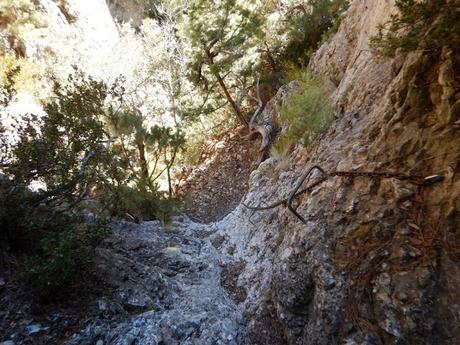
216,185
376,261
165,289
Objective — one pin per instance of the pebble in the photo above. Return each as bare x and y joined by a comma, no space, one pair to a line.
329,283
35,328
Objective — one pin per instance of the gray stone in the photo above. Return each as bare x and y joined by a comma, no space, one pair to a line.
189,307
35,329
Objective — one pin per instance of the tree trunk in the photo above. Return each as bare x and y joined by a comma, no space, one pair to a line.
276,84
168,171
229,98
271,60
314,39
145,180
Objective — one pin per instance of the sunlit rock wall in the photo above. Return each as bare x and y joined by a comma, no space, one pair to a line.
376,260
82,33
133,11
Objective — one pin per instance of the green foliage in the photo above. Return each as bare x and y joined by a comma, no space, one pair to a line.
282,149
63,152
68,244
5,152
15,204
57,243
425,25
326,35
125,201
194,150
225,29
306,113
65,148
223,56
304,28
18,75
8,84
148,151
67,153
233,40
70,149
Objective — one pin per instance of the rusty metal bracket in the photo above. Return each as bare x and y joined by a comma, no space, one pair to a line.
299,184
418,180
264,204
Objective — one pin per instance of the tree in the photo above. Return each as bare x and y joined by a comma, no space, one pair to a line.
148,151
222,36
426,25
64,153
65,149
295,27
70,154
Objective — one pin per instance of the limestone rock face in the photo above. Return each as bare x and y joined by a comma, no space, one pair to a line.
133,11
376,260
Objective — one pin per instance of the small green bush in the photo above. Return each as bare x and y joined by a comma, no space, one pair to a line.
142,205
15,201
426,25
55,244
62,247
306,113
308,23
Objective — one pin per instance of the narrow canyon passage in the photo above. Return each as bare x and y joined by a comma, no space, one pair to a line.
166,286
168,158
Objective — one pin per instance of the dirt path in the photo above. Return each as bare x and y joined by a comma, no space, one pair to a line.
217,184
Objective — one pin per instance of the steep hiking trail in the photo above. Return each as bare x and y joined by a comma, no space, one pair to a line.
372,257
166,288
153,283
216,184
160,286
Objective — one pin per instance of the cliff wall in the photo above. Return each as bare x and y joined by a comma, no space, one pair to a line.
377,259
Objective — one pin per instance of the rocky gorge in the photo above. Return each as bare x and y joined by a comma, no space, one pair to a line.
375,261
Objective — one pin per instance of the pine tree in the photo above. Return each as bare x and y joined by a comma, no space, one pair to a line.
222,36
148,151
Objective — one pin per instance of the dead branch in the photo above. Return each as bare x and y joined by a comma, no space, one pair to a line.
259,108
